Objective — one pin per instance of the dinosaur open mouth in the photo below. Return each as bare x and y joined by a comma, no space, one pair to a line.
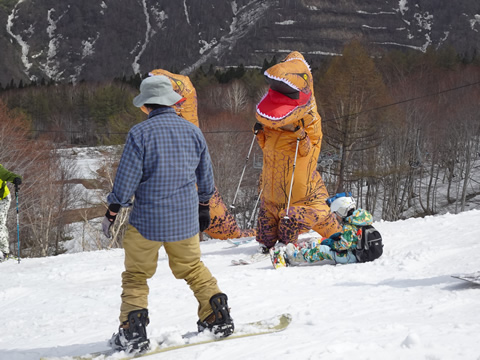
277,106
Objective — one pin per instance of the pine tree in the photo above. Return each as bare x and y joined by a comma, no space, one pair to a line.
351,85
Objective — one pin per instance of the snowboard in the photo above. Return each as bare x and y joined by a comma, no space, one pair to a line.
471,277
310,241
256,328
238,242
252,259
278,258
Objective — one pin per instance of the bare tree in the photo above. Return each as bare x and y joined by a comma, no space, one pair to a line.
106,177
464,129
236,97
45,194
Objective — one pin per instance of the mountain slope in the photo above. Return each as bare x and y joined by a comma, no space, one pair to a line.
71,40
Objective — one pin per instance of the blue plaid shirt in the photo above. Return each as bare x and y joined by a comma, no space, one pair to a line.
164,160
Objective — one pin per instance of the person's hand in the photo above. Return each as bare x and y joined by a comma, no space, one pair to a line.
17,181
331,240
336,236
109,219
107,223
257,127
204,216
300,131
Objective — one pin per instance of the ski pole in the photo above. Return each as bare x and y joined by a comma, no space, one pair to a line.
291,182
243,172
18,224
249,224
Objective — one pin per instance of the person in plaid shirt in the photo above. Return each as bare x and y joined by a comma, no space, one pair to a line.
166,168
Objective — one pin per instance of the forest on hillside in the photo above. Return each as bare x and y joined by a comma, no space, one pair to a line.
401,130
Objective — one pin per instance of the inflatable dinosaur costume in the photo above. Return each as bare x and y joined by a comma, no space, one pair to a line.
223,225
291,134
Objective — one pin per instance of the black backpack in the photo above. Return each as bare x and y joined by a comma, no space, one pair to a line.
369,245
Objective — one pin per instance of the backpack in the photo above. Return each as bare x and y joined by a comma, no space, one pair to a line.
369,245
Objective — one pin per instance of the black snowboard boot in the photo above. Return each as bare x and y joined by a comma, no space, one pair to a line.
132,334
219,321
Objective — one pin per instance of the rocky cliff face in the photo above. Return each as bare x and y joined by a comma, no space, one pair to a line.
71,40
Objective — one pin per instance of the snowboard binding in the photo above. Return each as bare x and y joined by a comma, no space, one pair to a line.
219,321
132,334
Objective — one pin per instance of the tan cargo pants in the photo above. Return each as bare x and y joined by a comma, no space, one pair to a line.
141,257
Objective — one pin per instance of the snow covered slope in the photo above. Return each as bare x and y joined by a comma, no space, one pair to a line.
403,306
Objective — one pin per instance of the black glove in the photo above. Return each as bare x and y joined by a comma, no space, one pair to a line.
257,127
109,219
204,216
17,181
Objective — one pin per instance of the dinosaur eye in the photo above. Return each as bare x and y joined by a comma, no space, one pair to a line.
305,76
179,82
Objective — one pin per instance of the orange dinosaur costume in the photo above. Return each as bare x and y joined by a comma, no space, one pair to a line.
291,134
222,223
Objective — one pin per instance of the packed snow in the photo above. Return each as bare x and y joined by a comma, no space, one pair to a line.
404,305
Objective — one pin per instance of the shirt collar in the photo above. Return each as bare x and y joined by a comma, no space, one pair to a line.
160,111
